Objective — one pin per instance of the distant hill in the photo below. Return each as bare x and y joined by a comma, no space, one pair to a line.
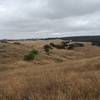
83,38
78,38
74,38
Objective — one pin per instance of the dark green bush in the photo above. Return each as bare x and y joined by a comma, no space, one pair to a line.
47,49
31,55
34,51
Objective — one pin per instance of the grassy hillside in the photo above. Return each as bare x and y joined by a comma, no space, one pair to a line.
62,75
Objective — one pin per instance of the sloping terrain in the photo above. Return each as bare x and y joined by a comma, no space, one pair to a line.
62,75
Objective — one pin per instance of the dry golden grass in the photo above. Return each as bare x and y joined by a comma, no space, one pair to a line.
62,75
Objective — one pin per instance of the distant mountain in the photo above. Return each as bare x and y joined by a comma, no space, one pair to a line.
74,38
83,38
78,38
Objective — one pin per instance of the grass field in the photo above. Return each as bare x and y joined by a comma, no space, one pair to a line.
62,75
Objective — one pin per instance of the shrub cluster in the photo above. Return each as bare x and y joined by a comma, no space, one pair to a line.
47,49
31,55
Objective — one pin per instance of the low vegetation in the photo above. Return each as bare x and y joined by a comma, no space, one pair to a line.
47,49
96,43
58,46
31,55
70,47
67,45
3,41
17,43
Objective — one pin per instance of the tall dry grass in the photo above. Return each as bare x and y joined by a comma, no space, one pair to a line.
52,85
71,75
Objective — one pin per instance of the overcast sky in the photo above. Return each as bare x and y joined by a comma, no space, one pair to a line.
46,18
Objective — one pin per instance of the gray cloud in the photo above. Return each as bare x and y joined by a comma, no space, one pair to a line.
49,17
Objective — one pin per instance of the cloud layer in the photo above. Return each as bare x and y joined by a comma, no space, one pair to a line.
49,17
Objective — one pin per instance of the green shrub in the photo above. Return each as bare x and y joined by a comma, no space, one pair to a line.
31,55
34,51
47,49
